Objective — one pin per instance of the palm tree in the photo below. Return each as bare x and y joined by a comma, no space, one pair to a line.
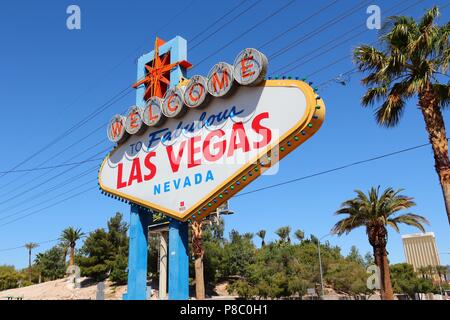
70,236
198,253
300,235
30,246
413,57
442,272
283,233
375,211
64,245
424,272
262,235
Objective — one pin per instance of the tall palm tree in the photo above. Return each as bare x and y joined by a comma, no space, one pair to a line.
262,235
30,246
283,233
70,236
413,58
300,235
375,212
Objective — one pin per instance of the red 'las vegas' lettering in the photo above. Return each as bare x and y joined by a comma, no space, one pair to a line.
135,174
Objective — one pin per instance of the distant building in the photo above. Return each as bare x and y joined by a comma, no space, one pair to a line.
421,250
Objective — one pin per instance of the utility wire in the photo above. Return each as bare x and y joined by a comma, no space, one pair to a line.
246,32
23,185
334,169
62,184
50,206
322,28
49,200
76,126
301,22
314,53
216,21
46,181
53,167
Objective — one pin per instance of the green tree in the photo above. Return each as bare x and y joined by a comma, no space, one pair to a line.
262,235
347,275
375,211
405,281
368,259
238,254
213,242
354,256
104,253
50,263
300,235
9,277
284,234
442,272
70,236
413,54
30,246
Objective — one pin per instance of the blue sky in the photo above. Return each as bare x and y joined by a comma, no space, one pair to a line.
51,78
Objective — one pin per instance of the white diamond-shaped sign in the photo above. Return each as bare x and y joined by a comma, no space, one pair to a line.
188,166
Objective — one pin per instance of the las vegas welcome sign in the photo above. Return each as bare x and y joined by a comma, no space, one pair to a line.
209,137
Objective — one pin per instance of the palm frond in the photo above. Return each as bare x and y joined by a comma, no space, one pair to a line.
428,19
390,112
376,209
411,219
442,92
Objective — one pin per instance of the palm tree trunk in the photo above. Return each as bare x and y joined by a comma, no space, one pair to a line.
379,263
198,253
64,257
199,280
29,265
435,127
72,255
385,275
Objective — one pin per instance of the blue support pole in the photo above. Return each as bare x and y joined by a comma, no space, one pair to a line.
137,255
178,261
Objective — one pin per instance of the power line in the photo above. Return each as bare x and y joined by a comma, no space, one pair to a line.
314,54
48,200
321,29
50,170
50,206
46,181
246,32
301,22
76,126
334,169
54,166
216,21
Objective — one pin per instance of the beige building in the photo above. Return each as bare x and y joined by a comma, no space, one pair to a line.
421,250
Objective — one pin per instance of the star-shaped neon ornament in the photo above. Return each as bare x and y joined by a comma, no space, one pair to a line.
157,79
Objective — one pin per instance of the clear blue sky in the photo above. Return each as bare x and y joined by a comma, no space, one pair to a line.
51,78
